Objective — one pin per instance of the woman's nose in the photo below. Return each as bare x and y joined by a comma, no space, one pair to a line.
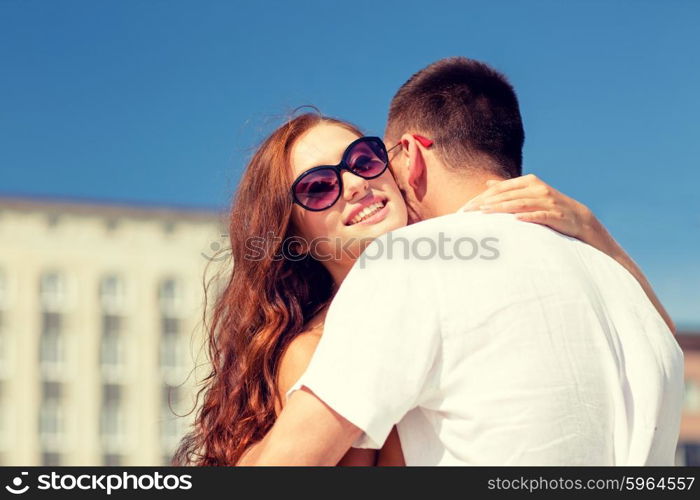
354,187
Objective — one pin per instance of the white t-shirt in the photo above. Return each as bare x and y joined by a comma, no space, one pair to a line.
537,350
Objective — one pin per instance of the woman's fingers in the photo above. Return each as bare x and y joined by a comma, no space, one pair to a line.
516,205
550,218
530,192
496,188
508,184
531,200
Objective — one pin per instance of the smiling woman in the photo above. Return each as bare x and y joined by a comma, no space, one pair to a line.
265,324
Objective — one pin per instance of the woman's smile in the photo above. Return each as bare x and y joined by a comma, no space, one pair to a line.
371,212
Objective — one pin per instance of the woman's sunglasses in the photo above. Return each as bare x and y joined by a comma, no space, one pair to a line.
320,187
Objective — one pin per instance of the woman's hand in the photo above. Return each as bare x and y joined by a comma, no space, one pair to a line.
533,200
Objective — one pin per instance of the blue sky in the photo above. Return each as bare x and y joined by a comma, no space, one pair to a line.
162,101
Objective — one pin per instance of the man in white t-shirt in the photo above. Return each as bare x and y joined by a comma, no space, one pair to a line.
486,340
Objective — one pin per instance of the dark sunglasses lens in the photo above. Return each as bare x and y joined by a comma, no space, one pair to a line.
367,158
318,189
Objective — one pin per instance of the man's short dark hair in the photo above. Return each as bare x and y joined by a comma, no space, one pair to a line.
468,109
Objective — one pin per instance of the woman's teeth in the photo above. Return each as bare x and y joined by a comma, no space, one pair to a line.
368,211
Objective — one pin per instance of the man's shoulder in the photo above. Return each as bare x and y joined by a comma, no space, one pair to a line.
408,253
465,225
472,218
468,244
456,222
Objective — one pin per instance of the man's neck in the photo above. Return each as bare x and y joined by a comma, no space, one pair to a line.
456,193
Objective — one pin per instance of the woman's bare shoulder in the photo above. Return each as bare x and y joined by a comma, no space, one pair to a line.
296,359
297,356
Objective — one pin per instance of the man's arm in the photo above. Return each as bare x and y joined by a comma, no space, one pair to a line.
307,432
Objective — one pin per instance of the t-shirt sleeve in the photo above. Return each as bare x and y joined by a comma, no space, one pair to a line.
380,342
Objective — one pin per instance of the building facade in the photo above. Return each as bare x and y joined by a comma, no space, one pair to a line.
100,329
688,452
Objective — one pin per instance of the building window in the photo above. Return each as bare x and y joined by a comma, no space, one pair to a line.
690,454
4,348
4,431
169,227
51,390
171,363
112,294
51,422
112,460
50,459
4,357
52,220
4,292
172,426
171,298
170,326
112,426
171,343
111,224
51,348
692,396
112,299
111,346
170,347
52,289
53,293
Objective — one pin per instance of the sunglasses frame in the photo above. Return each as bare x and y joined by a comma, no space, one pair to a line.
338,169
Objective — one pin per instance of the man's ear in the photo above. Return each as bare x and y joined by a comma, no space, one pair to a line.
414,165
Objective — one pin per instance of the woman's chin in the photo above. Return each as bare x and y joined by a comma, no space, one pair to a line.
362,231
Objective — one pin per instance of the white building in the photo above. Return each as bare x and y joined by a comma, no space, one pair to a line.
100,324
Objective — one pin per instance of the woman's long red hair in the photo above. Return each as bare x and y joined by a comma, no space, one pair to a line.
264,305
